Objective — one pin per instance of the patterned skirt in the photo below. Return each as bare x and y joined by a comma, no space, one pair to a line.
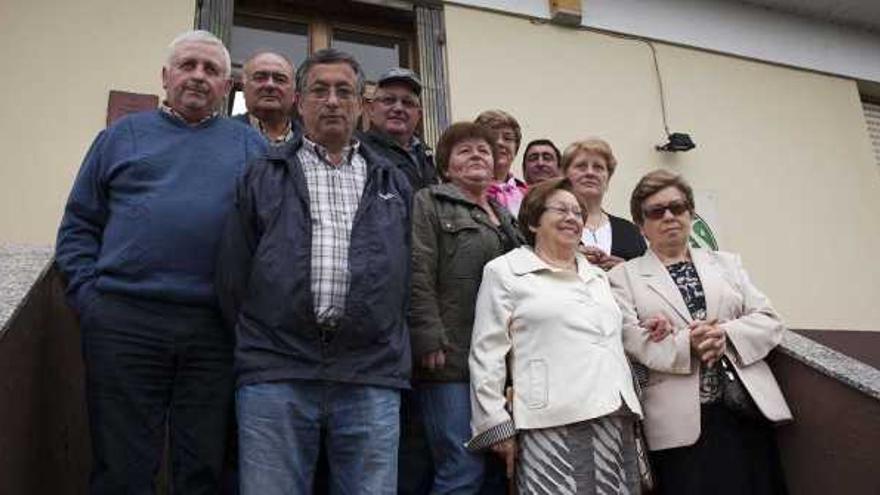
595,457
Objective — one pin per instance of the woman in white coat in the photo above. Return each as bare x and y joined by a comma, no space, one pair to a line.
547,315
710,399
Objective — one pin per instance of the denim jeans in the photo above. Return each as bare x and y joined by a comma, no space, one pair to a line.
280,426
446,409
151,364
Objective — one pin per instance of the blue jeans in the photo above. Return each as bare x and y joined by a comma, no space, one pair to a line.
446,409
280,426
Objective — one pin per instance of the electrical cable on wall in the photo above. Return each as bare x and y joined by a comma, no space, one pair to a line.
659,85
678,141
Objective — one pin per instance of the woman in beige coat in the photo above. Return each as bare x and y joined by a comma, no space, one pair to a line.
710,399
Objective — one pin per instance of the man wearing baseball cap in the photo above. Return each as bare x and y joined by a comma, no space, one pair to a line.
394,112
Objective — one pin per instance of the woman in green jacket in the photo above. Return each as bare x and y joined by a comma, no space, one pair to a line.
457,229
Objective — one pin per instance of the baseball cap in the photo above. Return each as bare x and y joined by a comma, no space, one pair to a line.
399,74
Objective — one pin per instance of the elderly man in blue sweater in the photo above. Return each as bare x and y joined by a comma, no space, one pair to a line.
137,245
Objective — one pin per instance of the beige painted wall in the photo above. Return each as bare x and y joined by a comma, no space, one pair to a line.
61,59
784,152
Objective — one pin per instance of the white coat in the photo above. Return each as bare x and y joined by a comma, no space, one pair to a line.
563,332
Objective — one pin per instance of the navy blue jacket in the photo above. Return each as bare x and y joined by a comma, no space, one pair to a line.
264,278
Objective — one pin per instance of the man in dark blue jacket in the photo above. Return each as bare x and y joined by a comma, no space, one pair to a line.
137,245
314,275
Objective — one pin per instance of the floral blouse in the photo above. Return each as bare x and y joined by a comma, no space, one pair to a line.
685,276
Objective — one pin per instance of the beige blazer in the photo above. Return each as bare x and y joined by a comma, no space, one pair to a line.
563,332
643,288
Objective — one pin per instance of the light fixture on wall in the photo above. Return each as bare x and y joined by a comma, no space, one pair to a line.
676,141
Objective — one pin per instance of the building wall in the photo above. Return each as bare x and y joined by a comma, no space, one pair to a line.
61,59
726,26
783,162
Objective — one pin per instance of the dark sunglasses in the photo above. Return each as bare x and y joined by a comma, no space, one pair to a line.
656,212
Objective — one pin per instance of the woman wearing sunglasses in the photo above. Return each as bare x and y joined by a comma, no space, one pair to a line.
695,320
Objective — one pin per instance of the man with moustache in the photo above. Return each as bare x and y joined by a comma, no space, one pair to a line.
269,96
137,246
394,113
315,266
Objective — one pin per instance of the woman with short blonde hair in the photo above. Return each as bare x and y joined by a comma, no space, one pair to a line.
607,239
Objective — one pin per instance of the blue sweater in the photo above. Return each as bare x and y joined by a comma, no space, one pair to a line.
147,208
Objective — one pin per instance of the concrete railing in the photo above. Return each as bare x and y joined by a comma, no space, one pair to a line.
44,448
831,447
44,443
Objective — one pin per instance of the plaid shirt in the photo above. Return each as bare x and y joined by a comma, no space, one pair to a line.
258,125
334,194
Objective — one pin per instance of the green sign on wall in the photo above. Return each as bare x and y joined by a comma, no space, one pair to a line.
701,234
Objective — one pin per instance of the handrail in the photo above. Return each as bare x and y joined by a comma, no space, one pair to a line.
21,267
837,365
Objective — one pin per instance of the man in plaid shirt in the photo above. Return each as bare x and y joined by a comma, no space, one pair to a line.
314,276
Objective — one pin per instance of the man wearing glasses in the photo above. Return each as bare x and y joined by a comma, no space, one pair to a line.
313,273
269,97
394,113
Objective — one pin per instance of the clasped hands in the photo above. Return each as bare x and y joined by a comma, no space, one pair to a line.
708,339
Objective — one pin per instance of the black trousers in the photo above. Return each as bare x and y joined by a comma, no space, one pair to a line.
151,364
733,456
415,468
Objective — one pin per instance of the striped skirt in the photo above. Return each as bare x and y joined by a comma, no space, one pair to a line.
595,457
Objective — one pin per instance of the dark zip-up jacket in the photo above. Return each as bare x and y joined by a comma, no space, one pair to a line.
264,278
417,164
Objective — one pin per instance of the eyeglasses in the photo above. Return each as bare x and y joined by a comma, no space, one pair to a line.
657,212
322,93
408,102
564,211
